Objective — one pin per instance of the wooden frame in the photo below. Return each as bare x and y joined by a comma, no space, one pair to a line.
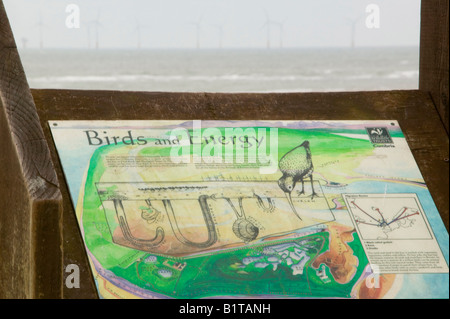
39,235
30,199
434,46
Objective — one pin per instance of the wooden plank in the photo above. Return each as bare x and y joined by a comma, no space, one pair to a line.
14,243
427,139
434,54
30,200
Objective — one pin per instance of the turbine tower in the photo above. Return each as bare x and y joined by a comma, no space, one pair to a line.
220,30
281,27
352,23
197,25
96,24
138,30
88,30
41,26
267,25
24,42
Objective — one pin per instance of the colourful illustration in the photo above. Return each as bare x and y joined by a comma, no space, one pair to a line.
261,209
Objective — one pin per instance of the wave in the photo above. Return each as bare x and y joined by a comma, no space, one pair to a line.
162,78
410,74
171,78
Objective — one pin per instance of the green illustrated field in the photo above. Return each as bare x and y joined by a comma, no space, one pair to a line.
282,266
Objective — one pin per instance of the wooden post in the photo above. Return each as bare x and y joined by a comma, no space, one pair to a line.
434,46
30,199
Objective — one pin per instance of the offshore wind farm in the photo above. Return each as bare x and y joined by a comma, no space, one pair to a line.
258,48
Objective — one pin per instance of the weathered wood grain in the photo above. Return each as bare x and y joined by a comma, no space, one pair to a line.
30,200
434,54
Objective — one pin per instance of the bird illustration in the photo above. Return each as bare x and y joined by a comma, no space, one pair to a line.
377,131
296,165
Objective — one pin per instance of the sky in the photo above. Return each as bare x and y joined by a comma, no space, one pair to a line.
127,24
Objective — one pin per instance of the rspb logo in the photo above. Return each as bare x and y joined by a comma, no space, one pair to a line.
380,135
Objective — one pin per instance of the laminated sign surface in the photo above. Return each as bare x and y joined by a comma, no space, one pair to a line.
269,209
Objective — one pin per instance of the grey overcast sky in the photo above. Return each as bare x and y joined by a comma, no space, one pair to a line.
173,23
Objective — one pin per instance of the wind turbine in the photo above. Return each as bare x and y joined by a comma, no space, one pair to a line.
24,43
220,30
138,29
88,34
281,26
96,24
41,26
267,25
197,25
352,23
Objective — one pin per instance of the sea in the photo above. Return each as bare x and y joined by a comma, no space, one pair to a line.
224,70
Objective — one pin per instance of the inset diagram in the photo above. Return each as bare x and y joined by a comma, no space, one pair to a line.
388,216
